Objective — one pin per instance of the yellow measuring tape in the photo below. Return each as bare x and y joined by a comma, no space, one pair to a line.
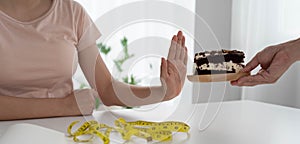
151,131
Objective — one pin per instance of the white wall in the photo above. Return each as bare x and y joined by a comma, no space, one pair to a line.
217,13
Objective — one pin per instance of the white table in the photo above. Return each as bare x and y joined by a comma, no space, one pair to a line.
238,122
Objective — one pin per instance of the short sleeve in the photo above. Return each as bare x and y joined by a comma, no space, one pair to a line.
86,31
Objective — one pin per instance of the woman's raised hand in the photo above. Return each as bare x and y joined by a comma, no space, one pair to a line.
173,70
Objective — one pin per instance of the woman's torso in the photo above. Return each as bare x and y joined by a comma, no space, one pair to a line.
39,57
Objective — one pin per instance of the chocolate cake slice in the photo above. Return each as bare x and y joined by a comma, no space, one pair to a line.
218,62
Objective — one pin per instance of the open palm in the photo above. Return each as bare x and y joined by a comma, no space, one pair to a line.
173,70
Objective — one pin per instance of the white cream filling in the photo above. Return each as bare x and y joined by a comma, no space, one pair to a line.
225,66
198,56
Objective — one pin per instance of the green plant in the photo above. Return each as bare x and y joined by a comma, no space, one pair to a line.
119,62
103,49
83,85
131,81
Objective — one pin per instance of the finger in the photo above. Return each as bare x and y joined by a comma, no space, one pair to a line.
249,84
182,49
185,56
183,42
185,60
251,65
234,83
267,55
163,68
271,75
179,34
179,46
250,80
182,54
180,38
172,50
262,77
178,51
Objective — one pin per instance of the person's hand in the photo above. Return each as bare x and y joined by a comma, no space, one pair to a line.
173,70
274,61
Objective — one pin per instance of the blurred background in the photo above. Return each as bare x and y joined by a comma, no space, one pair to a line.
247,25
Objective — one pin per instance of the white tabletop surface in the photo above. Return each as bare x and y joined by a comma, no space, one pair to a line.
237,122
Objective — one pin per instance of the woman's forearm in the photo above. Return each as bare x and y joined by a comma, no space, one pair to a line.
13,108
113,92
122,94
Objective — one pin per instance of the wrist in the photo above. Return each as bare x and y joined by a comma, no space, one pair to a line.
167,94
293,51
163,91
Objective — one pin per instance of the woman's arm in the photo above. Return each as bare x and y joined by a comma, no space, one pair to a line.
113,92
13,108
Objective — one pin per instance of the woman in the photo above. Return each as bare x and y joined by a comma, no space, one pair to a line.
38,42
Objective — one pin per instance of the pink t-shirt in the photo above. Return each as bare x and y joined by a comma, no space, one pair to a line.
38,58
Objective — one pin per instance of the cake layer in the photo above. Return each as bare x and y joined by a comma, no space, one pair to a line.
208,72
221,52
218,68
219,57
